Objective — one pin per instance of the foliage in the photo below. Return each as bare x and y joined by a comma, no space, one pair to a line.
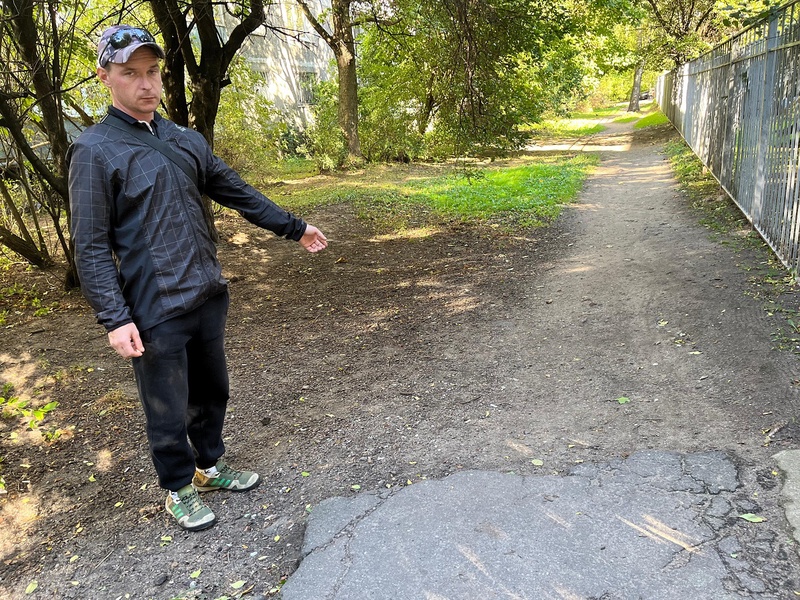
615,86
12,407
466,75
719,211
327,146
248,129
388,127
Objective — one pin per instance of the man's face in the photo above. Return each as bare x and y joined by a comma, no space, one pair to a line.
135,85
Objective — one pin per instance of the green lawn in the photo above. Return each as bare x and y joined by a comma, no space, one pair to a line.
520,193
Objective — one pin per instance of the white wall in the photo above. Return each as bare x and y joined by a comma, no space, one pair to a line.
291,62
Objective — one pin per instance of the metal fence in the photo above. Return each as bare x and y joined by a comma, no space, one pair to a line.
738,108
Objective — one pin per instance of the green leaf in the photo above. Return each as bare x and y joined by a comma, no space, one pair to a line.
237,584
195,574
537,462
355,487
623,400
305,474
32,587
750,517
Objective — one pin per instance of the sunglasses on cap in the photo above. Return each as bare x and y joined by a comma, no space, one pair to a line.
122,38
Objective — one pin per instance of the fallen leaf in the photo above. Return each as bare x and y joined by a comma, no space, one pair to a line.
237,584
355,487
91,477
623,400
537,462
73,558
195,574
32,587
750,517
305,474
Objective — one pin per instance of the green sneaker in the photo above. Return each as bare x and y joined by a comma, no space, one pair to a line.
222,477
188,509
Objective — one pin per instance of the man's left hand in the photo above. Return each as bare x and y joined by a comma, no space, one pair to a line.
313,239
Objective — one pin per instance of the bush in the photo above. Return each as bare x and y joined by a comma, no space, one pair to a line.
248,132
387,132
326,145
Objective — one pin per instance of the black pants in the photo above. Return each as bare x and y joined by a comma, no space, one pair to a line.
183,385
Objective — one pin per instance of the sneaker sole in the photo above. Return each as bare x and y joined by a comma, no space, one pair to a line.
200,527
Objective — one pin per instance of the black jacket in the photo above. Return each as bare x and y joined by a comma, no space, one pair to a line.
142,246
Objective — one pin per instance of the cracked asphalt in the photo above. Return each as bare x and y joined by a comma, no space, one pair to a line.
656,525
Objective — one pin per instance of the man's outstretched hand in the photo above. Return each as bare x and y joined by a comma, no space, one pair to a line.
313,239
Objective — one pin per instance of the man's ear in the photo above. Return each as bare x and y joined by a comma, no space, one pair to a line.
102,75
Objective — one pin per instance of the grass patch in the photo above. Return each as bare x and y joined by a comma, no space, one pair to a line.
651,120
717,210
289,169
395,197
564,128
597,113
530,194
628,119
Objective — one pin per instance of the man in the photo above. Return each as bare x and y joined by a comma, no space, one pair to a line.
148,266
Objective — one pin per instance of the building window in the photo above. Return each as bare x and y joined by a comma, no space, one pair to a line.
308,83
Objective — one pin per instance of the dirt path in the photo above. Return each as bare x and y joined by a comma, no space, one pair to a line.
387,361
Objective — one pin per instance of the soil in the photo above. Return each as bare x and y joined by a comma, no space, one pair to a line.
386,360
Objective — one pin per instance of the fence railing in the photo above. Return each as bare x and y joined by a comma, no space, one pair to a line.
738,108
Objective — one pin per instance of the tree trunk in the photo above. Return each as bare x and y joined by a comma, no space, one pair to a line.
342,44
633,105
173,73
348,104
24,248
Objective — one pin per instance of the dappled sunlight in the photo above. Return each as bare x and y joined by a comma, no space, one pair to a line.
239,238
662,533
578,146
21,371
104,461
22,435
579,269
499,590
557,519
566,594
473,558
519,448
18,517
406,234
462,305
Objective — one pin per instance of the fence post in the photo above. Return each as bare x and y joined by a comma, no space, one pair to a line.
767,102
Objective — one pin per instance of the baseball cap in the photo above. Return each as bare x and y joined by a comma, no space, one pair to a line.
120,41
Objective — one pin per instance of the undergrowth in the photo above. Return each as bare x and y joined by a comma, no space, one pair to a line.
770,282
